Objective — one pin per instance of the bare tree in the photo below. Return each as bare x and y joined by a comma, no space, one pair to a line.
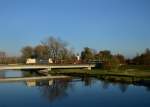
41,52
57,49
2,57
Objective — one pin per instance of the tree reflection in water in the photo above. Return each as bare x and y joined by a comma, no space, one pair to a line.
122,86
105,84
88,81
57,90
30,73
121,82
148,88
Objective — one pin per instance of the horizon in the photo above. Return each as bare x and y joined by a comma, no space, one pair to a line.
119,26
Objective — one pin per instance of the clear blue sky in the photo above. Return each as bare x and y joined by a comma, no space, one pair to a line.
118,25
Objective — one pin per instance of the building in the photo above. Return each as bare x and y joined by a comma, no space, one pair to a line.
31,61
50,61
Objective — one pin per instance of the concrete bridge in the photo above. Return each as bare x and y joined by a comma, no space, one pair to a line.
46,67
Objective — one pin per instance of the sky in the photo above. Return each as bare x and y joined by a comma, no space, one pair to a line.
122,26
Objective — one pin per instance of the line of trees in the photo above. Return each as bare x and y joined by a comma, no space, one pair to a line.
59,51
53,48
141,59
106,57
113,61
5,59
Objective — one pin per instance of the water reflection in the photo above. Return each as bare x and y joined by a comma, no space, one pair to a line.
148,88
88,81
123,82
82,91
17,73
10,73
2,74
56,90
123,87
105,85
33,83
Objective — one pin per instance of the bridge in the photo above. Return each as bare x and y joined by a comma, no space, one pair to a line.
46,67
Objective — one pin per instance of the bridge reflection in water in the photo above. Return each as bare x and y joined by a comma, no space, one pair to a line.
32,83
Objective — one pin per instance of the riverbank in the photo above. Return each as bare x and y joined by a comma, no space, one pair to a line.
129,74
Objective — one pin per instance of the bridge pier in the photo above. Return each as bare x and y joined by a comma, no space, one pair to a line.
49,68
89,68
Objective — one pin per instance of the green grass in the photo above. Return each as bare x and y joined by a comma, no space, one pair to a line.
129,75
129,71
139,67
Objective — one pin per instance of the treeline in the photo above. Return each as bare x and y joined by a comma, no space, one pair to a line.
105,57
110,60
142,59
59,51
53,48
5,59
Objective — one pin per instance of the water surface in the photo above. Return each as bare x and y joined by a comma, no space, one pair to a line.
78,92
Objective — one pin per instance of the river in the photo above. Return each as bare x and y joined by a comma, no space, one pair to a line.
76,92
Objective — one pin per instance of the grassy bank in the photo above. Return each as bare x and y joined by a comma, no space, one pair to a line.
130,74
127,72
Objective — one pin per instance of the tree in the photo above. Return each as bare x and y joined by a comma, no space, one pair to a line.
41,52
87,54
120,58
143,59
27,52
104,55
146,57
5,59
57,49
109,61
2,57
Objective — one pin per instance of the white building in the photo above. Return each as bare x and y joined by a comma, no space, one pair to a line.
31,61
50,61
78,58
